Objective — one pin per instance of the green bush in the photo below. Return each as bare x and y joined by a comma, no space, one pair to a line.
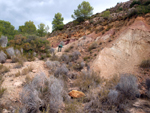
106,14
132,13
134,2
30,43
147,2
120,8
143,9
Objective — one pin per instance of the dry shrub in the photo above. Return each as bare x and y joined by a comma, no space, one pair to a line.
112,82
73,107
72,75
109,27
99,30
97,100
54,58
119,24
65,58
17,74
61,71
145,64
42,93
79,66
75,55
128,86
148,84
27,70
2,90
69,48
148,87
113,96
4,69
28,79
52,65
30,68
86,58
52,50
87,80
93,46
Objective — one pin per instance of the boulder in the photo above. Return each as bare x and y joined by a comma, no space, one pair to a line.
11,52
3,41
3,57
76,94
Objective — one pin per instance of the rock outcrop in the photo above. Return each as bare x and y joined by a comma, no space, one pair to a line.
3,41
131,47
76,94
3,57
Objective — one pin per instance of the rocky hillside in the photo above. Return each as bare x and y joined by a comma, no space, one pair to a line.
100,22
104,67
129,49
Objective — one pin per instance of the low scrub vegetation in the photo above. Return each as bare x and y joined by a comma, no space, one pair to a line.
87,80
52,65
106,14
30,44
148,87
61,72
135,3
93,46
79,66
99,30
2,91
113,96
65,58
17,74
42,93
4,69
74,107
145,64
128,86
69,48
75,55
26,70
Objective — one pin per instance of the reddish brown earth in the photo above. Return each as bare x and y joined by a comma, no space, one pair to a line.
130,48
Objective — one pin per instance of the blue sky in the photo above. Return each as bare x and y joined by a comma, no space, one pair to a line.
17,12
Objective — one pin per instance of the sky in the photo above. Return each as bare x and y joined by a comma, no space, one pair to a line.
17,12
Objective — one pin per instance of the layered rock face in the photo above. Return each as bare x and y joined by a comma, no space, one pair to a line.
131,47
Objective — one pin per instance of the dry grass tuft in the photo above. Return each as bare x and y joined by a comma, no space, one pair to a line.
145,64
87,80
4,69
27,70
93,46
17,74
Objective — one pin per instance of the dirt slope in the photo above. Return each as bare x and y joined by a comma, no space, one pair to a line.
14,84
131,47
